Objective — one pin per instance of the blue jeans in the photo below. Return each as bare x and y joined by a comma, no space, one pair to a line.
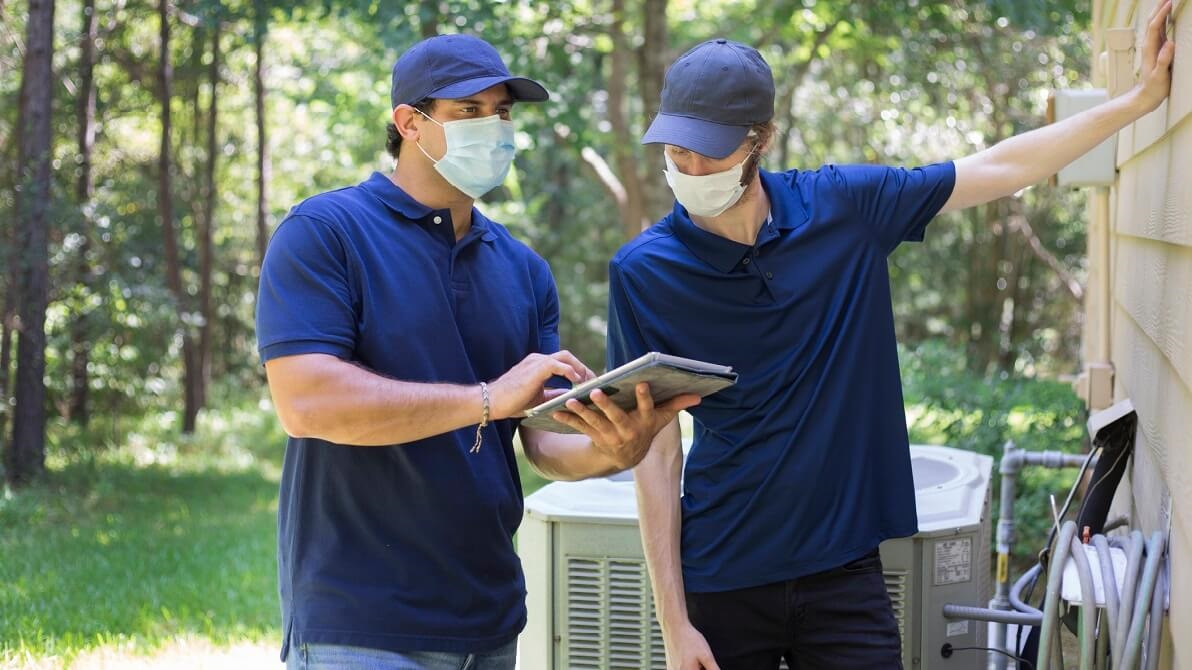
343,657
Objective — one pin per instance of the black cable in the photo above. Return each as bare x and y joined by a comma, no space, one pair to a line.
947,650
1043,554
1093,487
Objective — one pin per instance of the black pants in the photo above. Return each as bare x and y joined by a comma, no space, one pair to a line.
839,618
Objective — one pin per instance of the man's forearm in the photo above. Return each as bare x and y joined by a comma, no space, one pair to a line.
330,399
1029,158
656,479
564,457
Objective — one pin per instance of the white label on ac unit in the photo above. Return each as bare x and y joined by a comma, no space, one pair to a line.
953,561
957,628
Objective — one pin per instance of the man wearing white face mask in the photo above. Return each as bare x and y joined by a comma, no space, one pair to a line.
403,332
802,468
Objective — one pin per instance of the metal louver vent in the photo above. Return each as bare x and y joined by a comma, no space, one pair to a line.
609,609
896,587
610,606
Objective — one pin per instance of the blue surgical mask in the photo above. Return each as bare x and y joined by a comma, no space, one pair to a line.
479,153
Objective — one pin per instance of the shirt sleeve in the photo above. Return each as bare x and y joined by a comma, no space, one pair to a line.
305,304
625,341
896,203
548,318
548,310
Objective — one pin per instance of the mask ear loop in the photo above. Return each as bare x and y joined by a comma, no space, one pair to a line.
747,174
418,142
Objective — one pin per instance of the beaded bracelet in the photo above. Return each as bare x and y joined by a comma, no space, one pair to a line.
483,420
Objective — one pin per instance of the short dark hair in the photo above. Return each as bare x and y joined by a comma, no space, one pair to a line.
393,138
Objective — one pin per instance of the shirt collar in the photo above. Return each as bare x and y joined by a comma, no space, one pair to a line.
405,206
724,254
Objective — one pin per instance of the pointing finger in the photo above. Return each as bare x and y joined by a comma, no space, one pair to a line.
570,359
557,367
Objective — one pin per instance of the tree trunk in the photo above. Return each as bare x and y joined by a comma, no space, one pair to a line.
165,204
79,335
25,458
263,165
987,254
207,225
1018,294
633,217
652,59
428,18
7,324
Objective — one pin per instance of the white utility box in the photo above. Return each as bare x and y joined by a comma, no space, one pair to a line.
1097,167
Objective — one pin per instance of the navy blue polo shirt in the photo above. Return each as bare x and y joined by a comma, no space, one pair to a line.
804,464
406,547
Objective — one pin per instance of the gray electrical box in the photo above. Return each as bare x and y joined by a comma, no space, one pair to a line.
591,607
1097,167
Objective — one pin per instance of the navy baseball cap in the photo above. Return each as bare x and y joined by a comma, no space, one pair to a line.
455,66
711,96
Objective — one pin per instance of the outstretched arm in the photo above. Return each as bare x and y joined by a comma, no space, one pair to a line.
1031,157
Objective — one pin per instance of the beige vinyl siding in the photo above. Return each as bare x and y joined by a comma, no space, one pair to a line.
1150,314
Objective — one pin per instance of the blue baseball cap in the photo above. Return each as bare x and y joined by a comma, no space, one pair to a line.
455,66
711,96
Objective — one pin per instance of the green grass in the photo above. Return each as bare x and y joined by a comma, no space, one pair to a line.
139,538
142,543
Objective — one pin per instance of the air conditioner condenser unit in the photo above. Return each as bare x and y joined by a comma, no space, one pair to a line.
589,599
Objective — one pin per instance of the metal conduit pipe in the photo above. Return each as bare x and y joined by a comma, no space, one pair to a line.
1101,660
1158,604
1146,589
1088,601
1109,584
1129,586
954,611
1055,575
1012,462
1016,591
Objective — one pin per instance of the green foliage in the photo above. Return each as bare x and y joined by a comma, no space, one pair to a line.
134,519
947,404
876,81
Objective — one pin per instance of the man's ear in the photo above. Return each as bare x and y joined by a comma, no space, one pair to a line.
406,119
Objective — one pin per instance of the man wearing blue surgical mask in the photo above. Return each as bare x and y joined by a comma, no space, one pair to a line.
403,332
802,468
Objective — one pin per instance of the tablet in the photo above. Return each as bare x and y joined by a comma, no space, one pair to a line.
668,376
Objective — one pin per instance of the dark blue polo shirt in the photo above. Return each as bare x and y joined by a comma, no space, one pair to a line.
804,464
406,547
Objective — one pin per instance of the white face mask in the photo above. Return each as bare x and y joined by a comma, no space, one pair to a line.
705,195
479,153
